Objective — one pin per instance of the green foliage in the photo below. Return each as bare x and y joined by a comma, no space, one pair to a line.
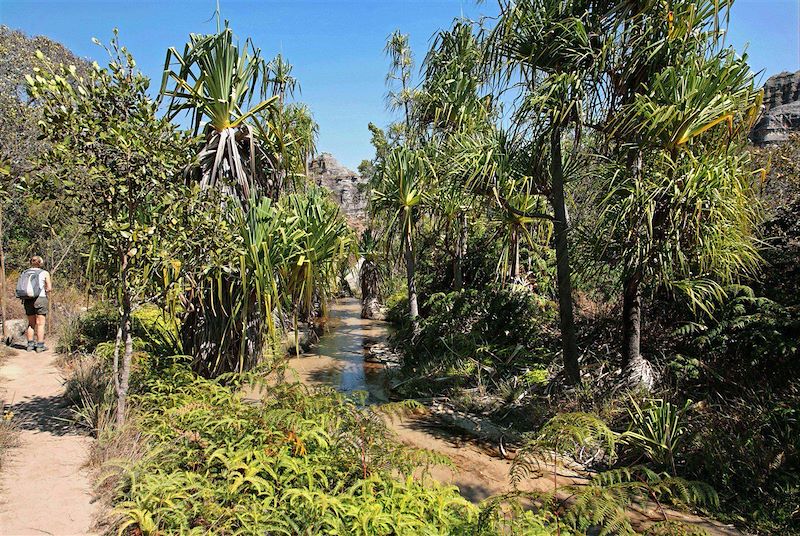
580,436
151,326
748,337
285,256
605,500
86,331
754,437
216,81
658,430
120,160
43,225
498,328
674,528
297,462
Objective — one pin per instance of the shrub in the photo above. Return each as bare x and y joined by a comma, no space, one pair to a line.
499,328
90,392
298,462
85,332
749,447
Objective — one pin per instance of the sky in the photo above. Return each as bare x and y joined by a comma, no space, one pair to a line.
335,46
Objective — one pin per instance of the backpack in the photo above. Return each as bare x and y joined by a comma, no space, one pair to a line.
28,284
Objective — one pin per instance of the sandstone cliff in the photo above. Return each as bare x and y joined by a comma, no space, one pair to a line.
781,112
347,188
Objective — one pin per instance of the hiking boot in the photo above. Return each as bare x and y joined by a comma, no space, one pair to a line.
40,347
30,347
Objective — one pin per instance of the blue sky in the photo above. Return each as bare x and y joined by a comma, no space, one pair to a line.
336,47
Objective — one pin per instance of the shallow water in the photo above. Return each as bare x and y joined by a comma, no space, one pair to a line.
338,359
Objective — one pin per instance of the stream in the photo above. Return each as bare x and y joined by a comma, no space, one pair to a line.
337,360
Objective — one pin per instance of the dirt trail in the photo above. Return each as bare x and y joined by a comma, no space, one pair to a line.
43,487
479,472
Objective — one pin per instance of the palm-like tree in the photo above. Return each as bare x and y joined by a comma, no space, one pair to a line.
449,105
286,142
685,213
518,229
401,64
216,81
401,194
326,244
551,51
369,275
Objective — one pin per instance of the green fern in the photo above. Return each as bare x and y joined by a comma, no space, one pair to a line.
565,435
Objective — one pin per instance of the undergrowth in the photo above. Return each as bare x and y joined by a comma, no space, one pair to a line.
291,461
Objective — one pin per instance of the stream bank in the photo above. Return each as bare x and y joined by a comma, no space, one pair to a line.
477,470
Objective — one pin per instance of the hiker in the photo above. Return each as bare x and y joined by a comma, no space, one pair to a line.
32,288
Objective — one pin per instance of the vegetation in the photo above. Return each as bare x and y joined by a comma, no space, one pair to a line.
583,109
566,225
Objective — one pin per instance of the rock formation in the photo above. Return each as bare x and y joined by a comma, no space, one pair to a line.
347,188
781,110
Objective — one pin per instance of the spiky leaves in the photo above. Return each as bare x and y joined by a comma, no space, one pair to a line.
284,256
216,81
400,194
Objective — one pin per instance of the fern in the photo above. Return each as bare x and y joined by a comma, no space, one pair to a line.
301,461
565,435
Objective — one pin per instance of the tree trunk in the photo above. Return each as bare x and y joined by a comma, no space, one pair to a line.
513,255
569,342
461,251
636,368
369,279
3,274
631,321
116,375
122,370
413,309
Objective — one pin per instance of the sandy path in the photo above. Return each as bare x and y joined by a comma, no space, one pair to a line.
479,473
43,487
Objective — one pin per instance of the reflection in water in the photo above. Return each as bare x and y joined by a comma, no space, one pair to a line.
338,359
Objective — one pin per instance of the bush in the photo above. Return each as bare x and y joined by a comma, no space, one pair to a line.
85,332
90,392
756,441
154,330
298,462
499,328
90,342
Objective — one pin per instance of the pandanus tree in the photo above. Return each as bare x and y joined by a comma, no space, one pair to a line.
517,225
221,85
684,213
369,275
279,257
448,104
550,51
254,145
286,141
498,166
400,195
326,244
401,96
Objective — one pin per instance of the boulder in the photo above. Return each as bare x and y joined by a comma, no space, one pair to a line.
15,332
371,309
303,340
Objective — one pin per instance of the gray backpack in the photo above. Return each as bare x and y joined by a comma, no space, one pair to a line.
28,284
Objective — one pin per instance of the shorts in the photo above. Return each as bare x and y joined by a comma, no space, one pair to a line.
35,306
